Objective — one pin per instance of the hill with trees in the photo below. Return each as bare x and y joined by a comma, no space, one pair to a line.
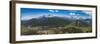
55,25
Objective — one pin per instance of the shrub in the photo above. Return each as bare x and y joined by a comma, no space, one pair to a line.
72,30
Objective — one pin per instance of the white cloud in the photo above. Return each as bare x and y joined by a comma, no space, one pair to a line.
27,17
82,17
72,14
56,10
77,16
88,12
53,10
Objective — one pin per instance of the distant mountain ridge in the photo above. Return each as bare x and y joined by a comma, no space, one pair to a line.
53,21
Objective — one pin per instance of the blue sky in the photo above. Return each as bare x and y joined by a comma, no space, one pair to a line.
29,13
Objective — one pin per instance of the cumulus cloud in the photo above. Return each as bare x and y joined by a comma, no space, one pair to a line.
56,10
87,12
27,17
53,10
72,14
78,16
